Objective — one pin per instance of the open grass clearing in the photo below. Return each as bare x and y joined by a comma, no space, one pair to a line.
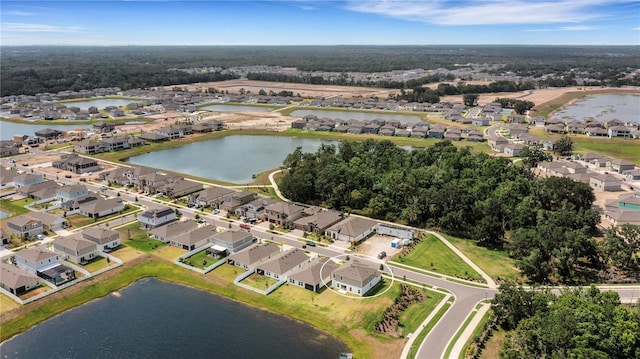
125,253
496,263
493,346
6,303
414,315
96,264
259,281
170,253
200,260
14,208
146,245
433,255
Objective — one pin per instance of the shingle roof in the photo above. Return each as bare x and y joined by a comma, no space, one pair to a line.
74,243
315,271
255,253
285,261
232,237
195,236
35,254
14,277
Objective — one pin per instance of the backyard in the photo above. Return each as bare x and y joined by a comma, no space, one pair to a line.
134,236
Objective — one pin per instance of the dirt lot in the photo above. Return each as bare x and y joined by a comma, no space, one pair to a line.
376,244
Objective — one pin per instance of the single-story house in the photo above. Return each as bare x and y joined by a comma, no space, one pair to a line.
313,275
278,266
75,249
629,201
168,232
249,257
194,239
156,217
618,165
352,229
101,207
621,216
17,281
606,183
632,175
355,277
229,242
106,239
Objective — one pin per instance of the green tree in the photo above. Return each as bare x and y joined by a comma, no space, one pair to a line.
563,146
532,155
470,99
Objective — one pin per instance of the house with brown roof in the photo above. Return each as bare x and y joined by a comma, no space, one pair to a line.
352,229
106,239
75,249
17,281
313,275
283,213
355,277
278,266
196,238
24,226
101,207
251,256
168,232
318,222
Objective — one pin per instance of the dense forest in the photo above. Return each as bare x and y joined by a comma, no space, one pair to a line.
33,69
576,324
546,224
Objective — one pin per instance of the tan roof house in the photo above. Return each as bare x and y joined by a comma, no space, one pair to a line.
106,239
75,249
15,280
355,277
277,267
313,275
249,257
352,229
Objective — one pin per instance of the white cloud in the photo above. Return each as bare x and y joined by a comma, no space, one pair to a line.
23,27
635,28
578,28
18,13
489,12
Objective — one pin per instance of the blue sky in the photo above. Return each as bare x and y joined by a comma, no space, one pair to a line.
361,22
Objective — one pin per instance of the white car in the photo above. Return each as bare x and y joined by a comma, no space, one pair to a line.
40,236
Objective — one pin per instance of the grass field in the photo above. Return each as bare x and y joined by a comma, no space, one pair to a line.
431,254
198,260
132,235
494,344
415,314
423,334
97,264
6,303
496,263
14,208
258,281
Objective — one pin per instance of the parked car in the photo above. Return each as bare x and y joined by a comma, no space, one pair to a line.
311,243
40,236
245,226
216,211
382,255
83,179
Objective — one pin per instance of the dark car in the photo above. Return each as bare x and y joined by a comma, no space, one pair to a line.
382,255
311,243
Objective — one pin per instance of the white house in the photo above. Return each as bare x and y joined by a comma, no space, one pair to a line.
156,217
67,193
36,259
355,277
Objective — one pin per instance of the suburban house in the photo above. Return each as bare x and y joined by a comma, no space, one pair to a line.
249,257
211,196
168,232
15,280
177,187
27,179
620,216
283,213
24,226
171,132
313,275
632,175
606,183
75,249
194,239
513,149
45,264
156,217
497,143
352,229
67,193
101,207
76,164
106,239
50,222
278,266
318,222
355,277
255,209
43,191
620,166
229,242
629,201
89,147
238,199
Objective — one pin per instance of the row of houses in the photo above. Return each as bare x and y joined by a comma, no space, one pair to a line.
150,181
592,128
388,128
30,266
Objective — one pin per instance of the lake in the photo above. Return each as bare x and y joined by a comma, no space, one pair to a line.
236,108
155,319
3,215
101,103
230,159
604,107
360,116
8,129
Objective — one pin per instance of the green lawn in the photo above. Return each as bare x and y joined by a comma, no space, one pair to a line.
496,263
431,254
134,236
15,208
97,264
423,334
258,281
415,314
201,260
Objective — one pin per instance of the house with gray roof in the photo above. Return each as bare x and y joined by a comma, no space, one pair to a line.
75,249
89,147
283,213
355,277
278,266
156,217
314,274
36,259
229,242
67,193
620,166
168,232
50,222
17,281
605,183
352,229
196,238
101,207
211,196
251,256
318,222
24,226
76,164
106,239
237,199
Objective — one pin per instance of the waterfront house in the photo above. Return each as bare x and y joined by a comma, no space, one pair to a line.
74,249
313,275
36,259
229,242
352,229
249,257
156,217
172,132
106,239
355,277
153,137
15,280
89,147
278,266
168,232
196,238
48,134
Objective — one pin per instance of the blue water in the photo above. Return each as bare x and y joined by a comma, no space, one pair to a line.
236,108
155,319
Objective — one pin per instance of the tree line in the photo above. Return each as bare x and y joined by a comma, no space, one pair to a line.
546,224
